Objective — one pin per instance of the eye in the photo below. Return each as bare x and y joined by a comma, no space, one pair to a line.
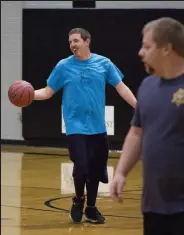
145,46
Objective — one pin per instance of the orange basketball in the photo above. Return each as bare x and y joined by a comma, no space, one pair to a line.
21,93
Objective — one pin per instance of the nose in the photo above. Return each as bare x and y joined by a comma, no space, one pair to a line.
140,53
72,44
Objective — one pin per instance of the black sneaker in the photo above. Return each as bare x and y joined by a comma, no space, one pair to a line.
77,209
92,215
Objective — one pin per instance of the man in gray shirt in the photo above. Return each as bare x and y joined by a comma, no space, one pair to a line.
157,130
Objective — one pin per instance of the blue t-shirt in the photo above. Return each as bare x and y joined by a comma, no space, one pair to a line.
83,83
160,114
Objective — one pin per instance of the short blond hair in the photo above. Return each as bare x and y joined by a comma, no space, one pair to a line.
167,30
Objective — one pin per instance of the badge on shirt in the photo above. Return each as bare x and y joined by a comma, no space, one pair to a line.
178,97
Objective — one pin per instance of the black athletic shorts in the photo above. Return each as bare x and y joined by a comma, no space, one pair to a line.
89,153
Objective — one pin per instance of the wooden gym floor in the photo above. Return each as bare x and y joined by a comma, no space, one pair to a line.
36,191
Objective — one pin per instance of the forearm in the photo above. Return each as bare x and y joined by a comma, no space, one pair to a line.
126,94
43,94
130,155
40,94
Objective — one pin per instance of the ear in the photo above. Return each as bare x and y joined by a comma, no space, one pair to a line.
167,49
87,41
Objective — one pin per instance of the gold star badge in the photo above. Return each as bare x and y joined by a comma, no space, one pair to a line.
178,97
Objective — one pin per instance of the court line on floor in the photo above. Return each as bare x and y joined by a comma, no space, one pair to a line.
58,210
30,208
48,203
23,187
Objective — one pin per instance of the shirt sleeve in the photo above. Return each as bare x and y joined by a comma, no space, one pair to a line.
114,75
56,78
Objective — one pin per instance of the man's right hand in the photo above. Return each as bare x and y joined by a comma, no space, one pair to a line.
116,187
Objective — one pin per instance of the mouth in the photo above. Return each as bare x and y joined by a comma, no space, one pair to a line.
74,50
144,63
148,68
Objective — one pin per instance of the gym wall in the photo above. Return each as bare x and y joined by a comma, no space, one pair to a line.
42,41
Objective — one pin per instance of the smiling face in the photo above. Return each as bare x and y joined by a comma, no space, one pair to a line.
78,45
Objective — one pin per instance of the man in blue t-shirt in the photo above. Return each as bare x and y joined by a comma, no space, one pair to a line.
83,77
157,131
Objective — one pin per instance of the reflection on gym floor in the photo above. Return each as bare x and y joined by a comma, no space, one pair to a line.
36,191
